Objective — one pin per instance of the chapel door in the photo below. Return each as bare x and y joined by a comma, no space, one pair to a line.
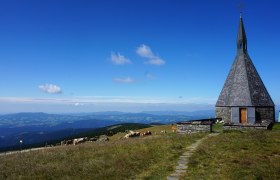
243,115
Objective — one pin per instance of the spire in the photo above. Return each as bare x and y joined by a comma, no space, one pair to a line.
241,37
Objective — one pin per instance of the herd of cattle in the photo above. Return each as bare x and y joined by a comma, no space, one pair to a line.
78,141
102,138
135,134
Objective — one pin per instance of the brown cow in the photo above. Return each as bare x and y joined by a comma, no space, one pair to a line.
147,133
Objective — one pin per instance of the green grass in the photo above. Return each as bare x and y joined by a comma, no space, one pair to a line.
217,127
156,130
276,126
230,155
152,157
237,155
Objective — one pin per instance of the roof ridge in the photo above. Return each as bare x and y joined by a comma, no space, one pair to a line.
249,88
234,72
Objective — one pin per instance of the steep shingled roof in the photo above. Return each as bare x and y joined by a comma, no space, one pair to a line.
243,86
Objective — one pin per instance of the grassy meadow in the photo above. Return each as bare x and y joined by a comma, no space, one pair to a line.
152,157
230,155
238,155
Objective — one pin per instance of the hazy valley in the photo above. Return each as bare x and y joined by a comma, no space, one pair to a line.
42,128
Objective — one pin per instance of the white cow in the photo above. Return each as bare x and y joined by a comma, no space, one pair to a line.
79,140
132,134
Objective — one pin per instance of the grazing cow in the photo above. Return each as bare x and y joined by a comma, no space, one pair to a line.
93,139
163,131
75,142
174,128
63,143
132,134
147,133
127,136
103,138
79,140
68,142
220,121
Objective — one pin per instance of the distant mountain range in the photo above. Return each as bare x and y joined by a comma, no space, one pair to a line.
35,128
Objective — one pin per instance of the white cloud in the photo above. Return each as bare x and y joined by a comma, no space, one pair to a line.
78,104
156,61
128,104
126,80
119,59
87,100
150,76
146,52
103,103
50,88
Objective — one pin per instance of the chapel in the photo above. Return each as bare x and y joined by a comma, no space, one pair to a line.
244,99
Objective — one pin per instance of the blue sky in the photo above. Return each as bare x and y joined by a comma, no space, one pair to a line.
104,55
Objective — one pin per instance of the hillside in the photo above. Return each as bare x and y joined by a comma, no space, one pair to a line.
238,155
42,128
230,155
52,138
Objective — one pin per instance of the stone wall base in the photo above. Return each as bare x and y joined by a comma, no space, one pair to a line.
193,128
224,113
261,113
265,113
264,125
